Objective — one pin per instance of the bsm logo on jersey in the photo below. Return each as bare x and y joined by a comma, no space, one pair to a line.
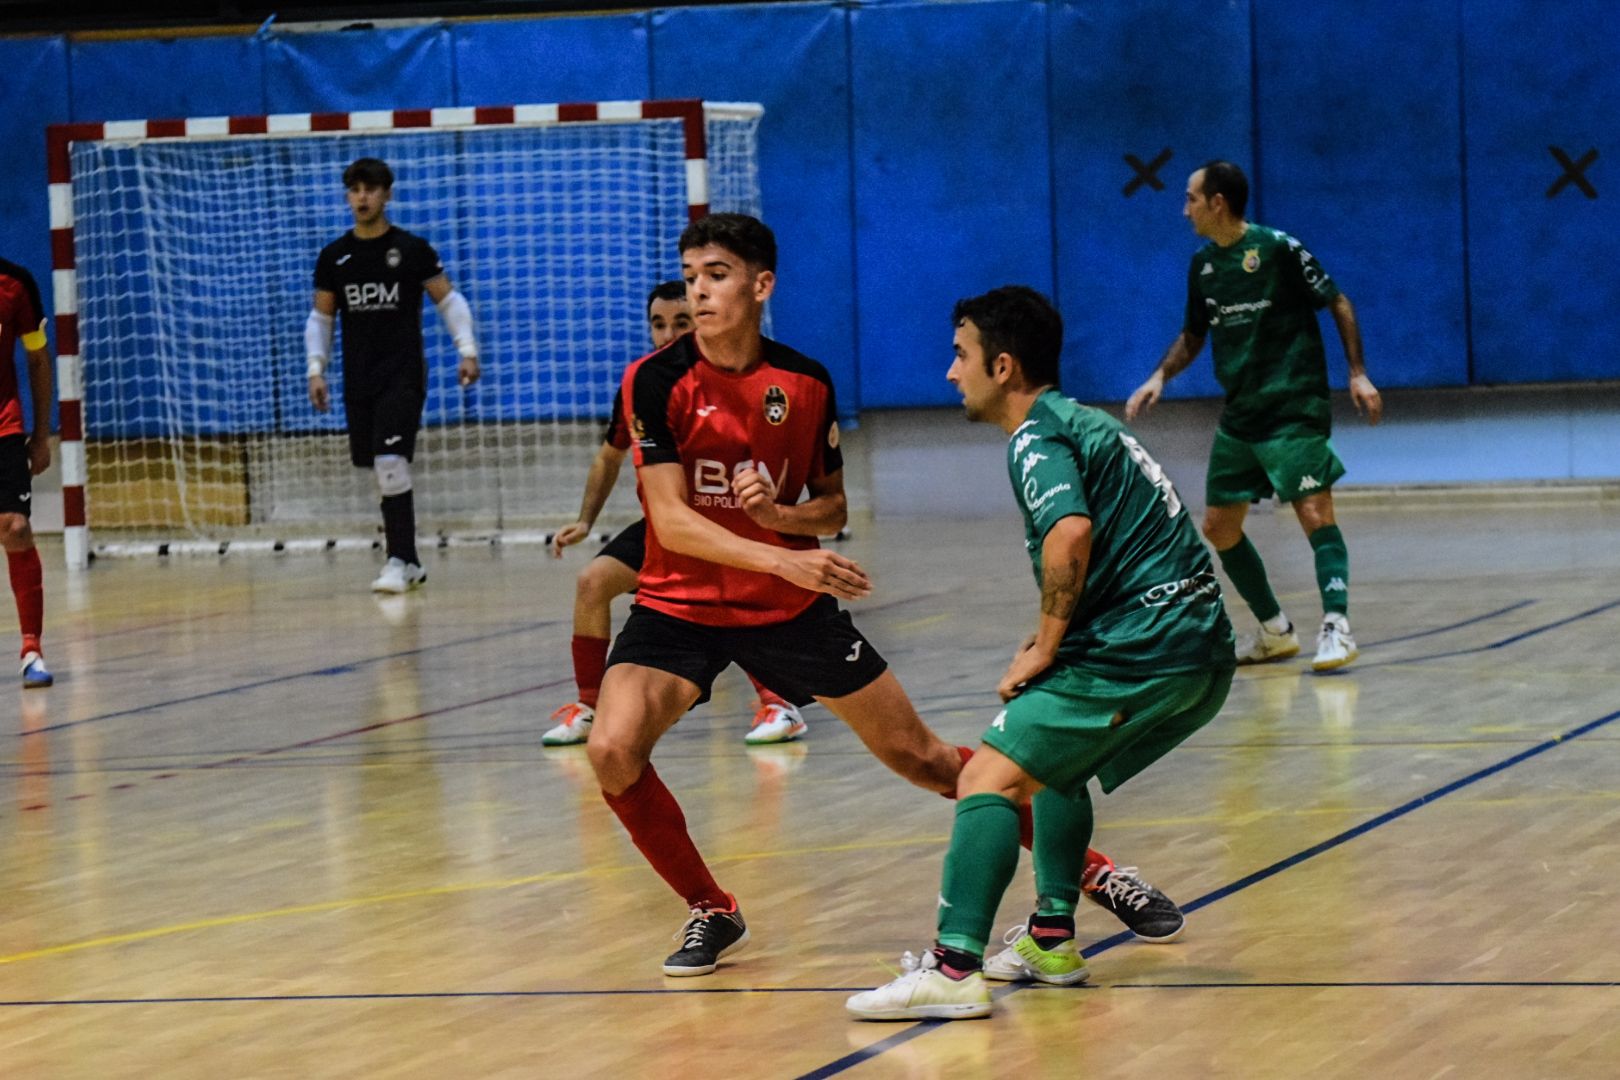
711,481
371,296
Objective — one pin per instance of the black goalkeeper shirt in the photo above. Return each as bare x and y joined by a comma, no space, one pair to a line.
378,285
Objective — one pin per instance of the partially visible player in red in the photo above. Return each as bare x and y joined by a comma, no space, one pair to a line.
23,456
613,571
731,429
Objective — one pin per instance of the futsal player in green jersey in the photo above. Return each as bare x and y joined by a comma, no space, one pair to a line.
1254,292
1132,653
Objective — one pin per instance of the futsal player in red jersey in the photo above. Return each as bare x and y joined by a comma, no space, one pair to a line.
23,456
730,429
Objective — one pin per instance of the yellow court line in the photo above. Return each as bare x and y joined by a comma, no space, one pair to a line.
419,894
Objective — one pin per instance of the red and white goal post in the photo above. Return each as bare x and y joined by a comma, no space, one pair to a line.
183,254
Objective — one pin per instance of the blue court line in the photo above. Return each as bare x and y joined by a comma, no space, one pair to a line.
1394,984
330,669
1453,626
1502,644
849,1061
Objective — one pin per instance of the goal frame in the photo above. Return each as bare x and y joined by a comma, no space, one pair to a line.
60,138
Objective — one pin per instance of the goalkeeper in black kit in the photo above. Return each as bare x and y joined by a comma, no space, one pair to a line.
375,274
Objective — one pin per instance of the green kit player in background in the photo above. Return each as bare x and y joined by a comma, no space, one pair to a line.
1131,655
1254,293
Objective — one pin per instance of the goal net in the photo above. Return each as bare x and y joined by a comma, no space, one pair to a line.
190,254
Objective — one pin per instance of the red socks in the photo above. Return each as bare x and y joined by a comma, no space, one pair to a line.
28,587
766,695
590,661
658,829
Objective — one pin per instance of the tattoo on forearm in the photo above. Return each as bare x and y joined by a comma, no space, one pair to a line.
1060,587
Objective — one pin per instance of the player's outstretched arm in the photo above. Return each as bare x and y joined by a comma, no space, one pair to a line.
684,531
822,514
1065,555
39,384
1183,350
318,347
598,486
457,317
1362,390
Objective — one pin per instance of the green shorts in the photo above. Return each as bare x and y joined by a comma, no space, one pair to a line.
1075,724
1292,466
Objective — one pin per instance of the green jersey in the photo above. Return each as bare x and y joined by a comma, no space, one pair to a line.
1256,301
1151,604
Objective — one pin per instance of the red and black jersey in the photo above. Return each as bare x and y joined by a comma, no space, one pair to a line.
22,317
617,432
780,417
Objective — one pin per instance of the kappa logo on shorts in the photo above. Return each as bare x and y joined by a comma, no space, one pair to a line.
1000,722
776,405
1309,483
855,653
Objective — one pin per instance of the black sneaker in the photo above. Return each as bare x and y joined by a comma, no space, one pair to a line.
707,936
1150,914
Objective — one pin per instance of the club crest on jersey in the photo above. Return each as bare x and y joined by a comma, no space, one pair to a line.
638,430
394,258
1251,260
832,435
776,405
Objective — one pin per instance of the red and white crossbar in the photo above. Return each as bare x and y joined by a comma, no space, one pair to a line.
59,137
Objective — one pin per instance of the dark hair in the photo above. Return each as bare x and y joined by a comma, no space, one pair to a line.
1227,180
666,290
750,239
370,171
1017,320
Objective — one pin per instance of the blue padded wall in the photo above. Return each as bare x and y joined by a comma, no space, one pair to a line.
1543,289
1366,170
587,59
34,95
801,77
1130,79
952,179
179,77
358,69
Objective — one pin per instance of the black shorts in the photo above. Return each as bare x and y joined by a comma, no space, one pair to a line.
817,654
384,423
629,545
16,480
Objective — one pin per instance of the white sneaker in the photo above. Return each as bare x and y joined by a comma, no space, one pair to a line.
399,576
573,725
776,724
1263,646
1334,645
1062,966
35,675
923,992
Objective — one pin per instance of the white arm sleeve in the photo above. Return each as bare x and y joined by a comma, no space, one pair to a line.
318,341
457,318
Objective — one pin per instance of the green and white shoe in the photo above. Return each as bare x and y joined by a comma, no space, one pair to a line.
1025,961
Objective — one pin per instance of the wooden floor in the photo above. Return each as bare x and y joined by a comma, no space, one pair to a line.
268,826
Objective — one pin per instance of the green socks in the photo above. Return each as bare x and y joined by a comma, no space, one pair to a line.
978,868
1062,834
1242,564
1332,569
